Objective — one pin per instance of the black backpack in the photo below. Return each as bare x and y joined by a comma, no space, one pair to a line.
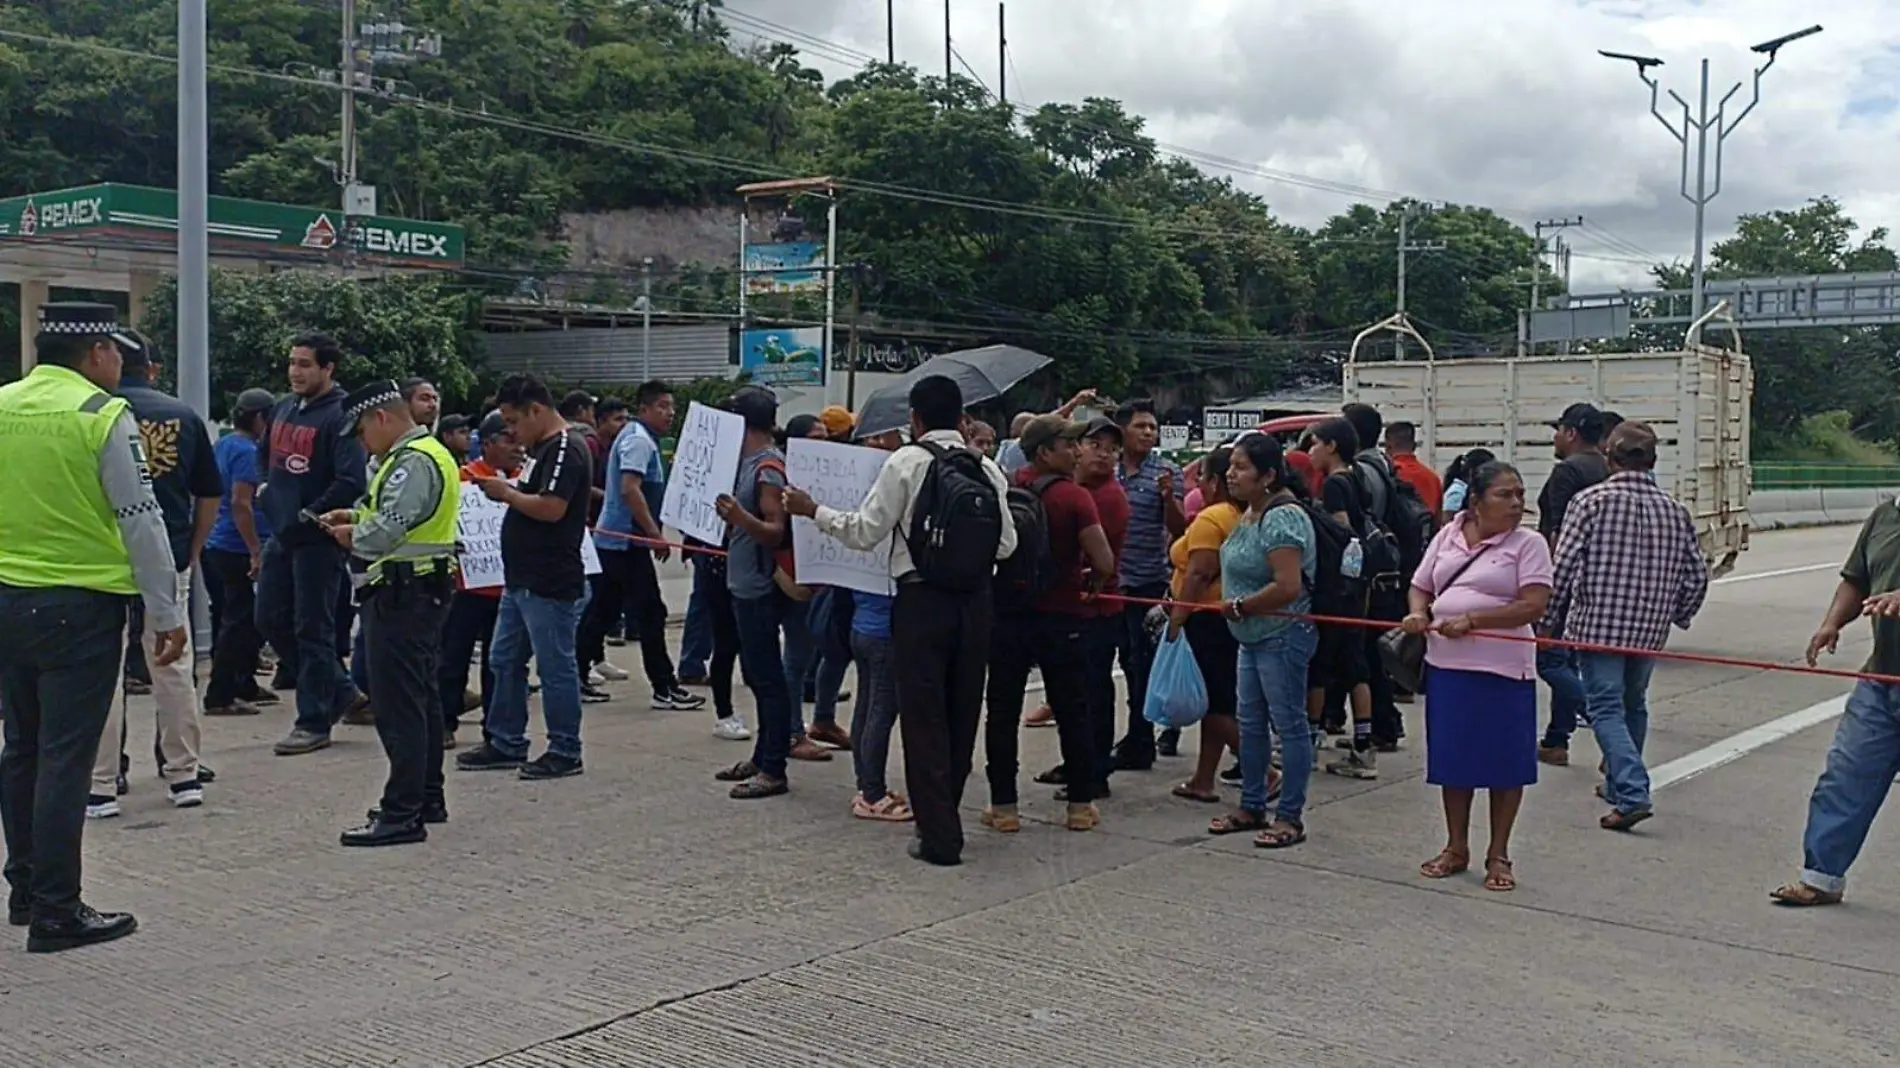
1395,503
957,522
1333,593
1031,570
1383,540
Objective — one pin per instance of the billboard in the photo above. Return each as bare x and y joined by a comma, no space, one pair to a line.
784,356
792,267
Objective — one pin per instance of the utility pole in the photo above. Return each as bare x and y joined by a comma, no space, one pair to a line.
646,319
1563,267
349,101
1697,125
851,350
1002,56
890,32
946,40
1537,260
194,241
1406,245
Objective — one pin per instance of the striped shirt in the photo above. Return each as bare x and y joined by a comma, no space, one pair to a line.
1144,559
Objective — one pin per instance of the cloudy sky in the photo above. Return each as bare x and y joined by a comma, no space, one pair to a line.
1503,103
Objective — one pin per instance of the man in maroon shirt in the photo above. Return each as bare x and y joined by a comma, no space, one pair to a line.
1101,449
1051,634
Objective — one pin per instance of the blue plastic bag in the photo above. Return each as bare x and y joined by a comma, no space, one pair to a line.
1177,694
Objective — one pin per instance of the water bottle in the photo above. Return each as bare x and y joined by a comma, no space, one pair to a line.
1352,560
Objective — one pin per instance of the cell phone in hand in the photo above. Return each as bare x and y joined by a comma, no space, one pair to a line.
309,516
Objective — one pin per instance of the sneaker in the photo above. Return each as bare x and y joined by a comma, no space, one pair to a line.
593,695
485,757
616,640
1359,764
551,766
1003,819
301,741
611,672
677,700
733,729
101,807
595,678
188,794
1231,774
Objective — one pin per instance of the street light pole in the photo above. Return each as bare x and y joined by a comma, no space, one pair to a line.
1698,123
646,319
194,235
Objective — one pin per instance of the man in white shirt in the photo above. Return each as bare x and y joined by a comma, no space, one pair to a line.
941,634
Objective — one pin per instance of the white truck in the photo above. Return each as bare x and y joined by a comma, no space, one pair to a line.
1695,398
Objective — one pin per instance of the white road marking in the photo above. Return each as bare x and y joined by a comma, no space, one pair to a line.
1803,570
1731,749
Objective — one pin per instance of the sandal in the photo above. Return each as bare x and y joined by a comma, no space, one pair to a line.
1445,865
739,772
1186,792
1624,821
887,809
1239,821
1498,876
1803,896
758,787
1280,836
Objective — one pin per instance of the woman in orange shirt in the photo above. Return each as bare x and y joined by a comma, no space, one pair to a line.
1196,559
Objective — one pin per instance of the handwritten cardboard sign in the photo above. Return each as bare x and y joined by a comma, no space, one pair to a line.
838,476
705,464
478,529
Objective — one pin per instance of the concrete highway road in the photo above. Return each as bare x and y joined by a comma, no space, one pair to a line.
635,916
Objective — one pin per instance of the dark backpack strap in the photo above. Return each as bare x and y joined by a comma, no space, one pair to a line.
1041,485
1460,573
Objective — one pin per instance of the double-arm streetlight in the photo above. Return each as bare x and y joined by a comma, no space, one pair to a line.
1699,124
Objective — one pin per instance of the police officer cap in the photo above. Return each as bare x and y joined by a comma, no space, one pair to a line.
252,401
85,319
385,393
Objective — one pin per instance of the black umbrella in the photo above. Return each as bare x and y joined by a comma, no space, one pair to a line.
983,374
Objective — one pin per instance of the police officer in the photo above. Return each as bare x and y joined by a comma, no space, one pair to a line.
402,547
80,536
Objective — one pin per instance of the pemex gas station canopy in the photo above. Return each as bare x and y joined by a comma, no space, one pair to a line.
114,237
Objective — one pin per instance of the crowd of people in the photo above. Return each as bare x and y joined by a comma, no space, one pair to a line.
1303,577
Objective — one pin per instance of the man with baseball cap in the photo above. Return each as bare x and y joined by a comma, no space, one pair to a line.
186,484
1578,439
401,540
81,534
233,556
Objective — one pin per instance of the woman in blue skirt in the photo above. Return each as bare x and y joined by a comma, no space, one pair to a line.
1481,575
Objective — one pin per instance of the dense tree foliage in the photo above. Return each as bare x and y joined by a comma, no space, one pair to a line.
1066,228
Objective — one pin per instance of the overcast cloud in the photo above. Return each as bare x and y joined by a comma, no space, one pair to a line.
1503,103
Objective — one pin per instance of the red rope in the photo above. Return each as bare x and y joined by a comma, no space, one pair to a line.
1379,624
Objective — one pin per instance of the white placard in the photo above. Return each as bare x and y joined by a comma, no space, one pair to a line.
705,465
1174,437
478,529
837,476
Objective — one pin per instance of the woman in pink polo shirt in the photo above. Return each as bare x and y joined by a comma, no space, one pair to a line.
1481,573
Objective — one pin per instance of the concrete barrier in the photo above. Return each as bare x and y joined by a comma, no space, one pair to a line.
1794,509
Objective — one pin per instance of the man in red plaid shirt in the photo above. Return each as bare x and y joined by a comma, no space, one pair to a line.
1628,565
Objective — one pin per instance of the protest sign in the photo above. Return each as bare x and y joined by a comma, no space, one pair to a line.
478,530
838,476
705,463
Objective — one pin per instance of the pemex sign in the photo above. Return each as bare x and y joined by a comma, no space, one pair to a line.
142,213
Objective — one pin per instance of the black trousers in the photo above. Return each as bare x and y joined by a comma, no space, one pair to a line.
471,621
725,634
236,643
60,653
1059,645
941,640
1138,656
629,587
1387,724
1102,637
404,639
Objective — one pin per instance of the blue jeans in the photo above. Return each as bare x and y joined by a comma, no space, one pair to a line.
529,623
1558,669
1616,693
1860,768
696,644
759,620
1273,692
801,652
296,612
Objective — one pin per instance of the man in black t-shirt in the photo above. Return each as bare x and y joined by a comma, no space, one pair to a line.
1578,439
544,586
